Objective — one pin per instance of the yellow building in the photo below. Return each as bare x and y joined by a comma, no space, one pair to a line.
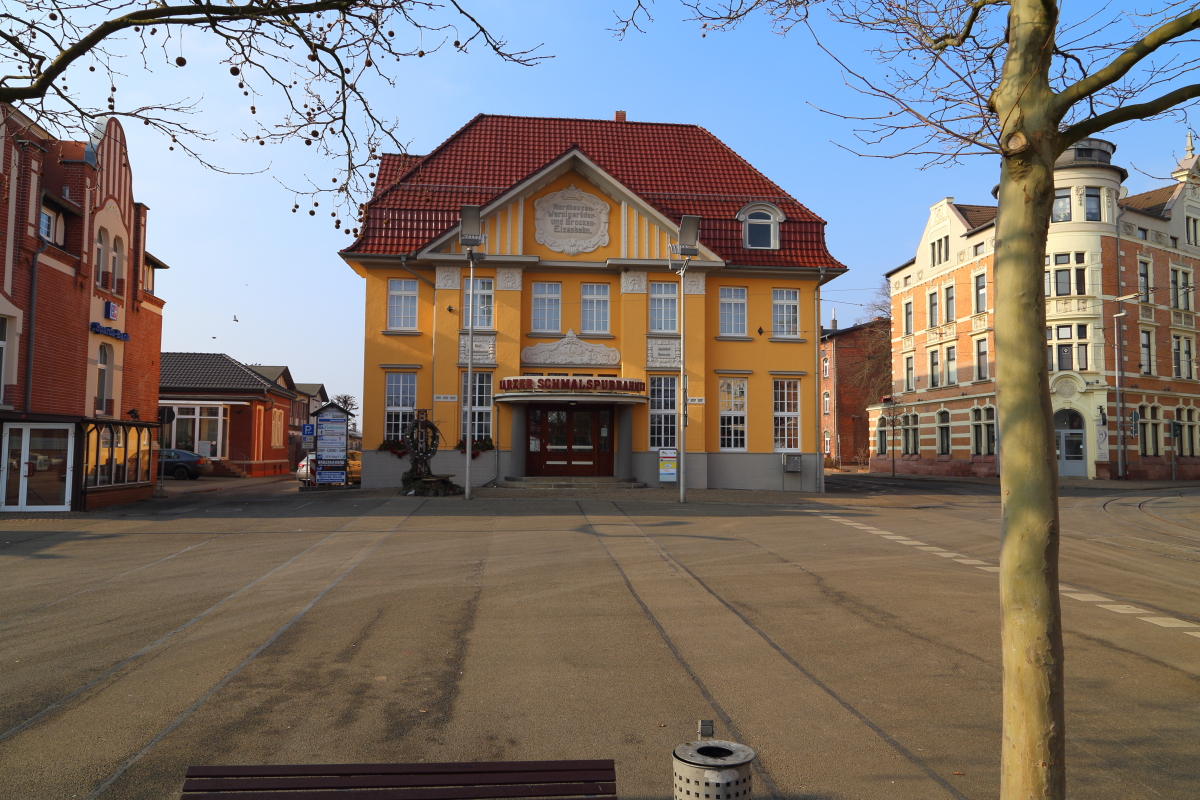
577,315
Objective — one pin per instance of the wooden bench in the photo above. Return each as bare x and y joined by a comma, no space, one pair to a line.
455,781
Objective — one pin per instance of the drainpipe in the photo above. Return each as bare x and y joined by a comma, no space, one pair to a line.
817,383
33,287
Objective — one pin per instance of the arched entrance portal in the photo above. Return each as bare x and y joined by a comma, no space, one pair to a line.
1069,442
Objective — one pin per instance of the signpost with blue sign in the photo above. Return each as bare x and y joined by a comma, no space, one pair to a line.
330,431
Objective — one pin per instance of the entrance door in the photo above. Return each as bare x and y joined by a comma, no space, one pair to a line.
1068,437
569,440
37,467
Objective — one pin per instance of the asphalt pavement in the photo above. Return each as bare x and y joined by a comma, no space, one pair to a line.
851,639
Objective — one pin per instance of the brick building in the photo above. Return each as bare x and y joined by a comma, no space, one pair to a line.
80,323
230,412
851,360
1109,261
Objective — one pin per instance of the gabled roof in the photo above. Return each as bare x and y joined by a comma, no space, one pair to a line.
976,216
280,376
211,371
313,390
676,169
1153,202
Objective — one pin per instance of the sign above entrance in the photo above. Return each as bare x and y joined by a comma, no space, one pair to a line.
571,221
571,385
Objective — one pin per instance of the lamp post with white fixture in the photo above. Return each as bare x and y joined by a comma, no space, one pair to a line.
688,247
470,236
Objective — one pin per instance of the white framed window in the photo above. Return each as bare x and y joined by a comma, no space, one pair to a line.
1192,225
101,265
824,367
1185,432
908,318
1062,205
935,369
1091,204
547,307
104,359
786,392
910,378
785,312
980,292
46,225
118,265
400,403
826,443
479,405
3,353
881,437
983,431
943,433
594,308
948,311
402,304
825,403
933,310
663,405
981,359
482,314
664,299
1182,348
951,365
1147,352
732,311
1181,289
910,435
1144,285
277,427
1150,431
731,413
939,250
760,226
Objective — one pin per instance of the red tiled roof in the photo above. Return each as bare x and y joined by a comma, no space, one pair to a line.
976,215
1153,202
677,169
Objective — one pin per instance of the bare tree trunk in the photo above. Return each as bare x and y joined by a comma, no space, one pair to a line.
1032,761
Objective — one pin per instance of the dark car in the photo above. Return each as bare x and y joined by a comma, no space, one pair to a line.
183,465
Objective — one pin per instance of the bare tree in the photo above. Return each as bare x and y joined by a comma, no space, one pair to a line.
324,63
1022,80
347,401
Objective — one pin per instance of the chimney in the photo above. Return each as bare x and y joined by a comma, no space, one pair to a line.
619,116
833,320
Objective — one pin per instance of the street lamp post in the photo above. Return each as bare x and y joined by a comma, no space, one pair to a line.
470,236
1120,368
688,247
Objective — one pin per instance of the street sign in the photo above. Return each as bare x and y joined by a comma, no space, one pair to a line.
331,476
308,430
330,435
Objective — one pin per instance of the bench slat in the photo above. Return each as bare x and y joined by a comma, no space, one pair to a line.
458,793
392,781
450,768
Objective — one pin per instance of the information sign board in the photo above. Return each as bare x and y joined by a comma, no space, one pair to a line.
308,429
668,460
331,476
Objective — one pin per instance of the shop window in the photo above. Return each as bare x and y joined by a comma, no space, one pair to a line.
731,413
400,403
663,405
787,414
402,305
116,453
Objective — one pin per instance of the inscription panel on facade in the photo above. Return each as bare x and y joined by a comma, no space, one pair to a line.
485,348
571,221
662,353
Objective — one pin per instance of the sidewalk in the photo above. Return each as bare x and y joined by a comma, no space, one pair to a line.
213,483
1072,483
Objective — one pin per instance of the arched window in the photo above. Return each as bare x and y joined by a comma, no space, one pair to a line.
101,265
827,443
103,379
1150,430
118,268
760,226
943,433
825,403
825,368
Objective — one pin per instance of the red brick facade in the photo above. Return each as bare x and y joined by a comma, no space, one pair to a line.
89,369
847,358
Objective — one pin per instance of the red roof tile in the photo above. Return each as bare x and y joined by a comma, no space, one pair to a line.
976,216
677,169
1153,202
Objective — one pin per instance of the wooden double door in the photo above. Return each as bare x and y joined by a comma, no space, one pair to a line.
568,439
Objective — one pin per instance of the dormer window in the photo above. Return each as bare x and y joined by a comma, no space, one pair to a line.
760,226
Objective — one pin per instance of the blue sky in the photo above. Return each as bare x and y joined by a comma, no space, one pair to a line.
235,248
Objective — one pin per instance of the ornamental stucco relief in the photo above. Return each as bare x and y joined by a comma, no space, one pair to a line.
571,350
662,353
571,221
448,277
485,348
694,284
508,279
633,282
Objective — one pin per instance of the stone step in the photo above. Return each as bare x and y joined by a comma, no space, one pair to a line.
567,483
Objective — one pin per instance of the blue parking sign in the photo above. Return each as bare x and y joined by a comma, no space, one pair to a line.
308,430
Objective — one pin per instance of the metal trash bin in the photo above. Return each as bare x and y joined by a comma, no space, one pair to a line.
712,769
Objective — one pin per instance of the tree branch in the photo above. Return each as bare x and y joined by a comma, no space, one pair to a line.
1093,125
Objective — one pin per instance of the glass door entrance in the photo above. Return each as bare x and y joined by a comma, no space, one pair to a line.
37,467
1068,439
569,440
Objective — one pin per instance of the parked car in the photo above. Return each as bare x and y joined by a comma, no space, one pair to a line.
183,464
305,472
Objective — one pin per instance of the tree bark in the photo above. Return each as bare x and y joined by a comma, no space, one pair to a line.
1033,743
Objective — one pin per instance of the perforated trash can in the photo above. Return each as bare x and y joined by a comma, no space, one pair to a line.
712,770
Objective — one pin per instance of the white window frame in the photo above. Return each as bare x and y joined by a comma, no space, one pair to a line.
1150,430
46,225
825,402
982,372
1192,227
1146,351
979,299
399,403
1058,208
664,307
784,310
546,307
910,375
932,307
984,441
1181,288
484,313
942,425
664,405
481,412
908,318
732,310
731,415
593,307
935,368
402,304
951,366
825,368
773,217
1182,351
948,311
786,394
